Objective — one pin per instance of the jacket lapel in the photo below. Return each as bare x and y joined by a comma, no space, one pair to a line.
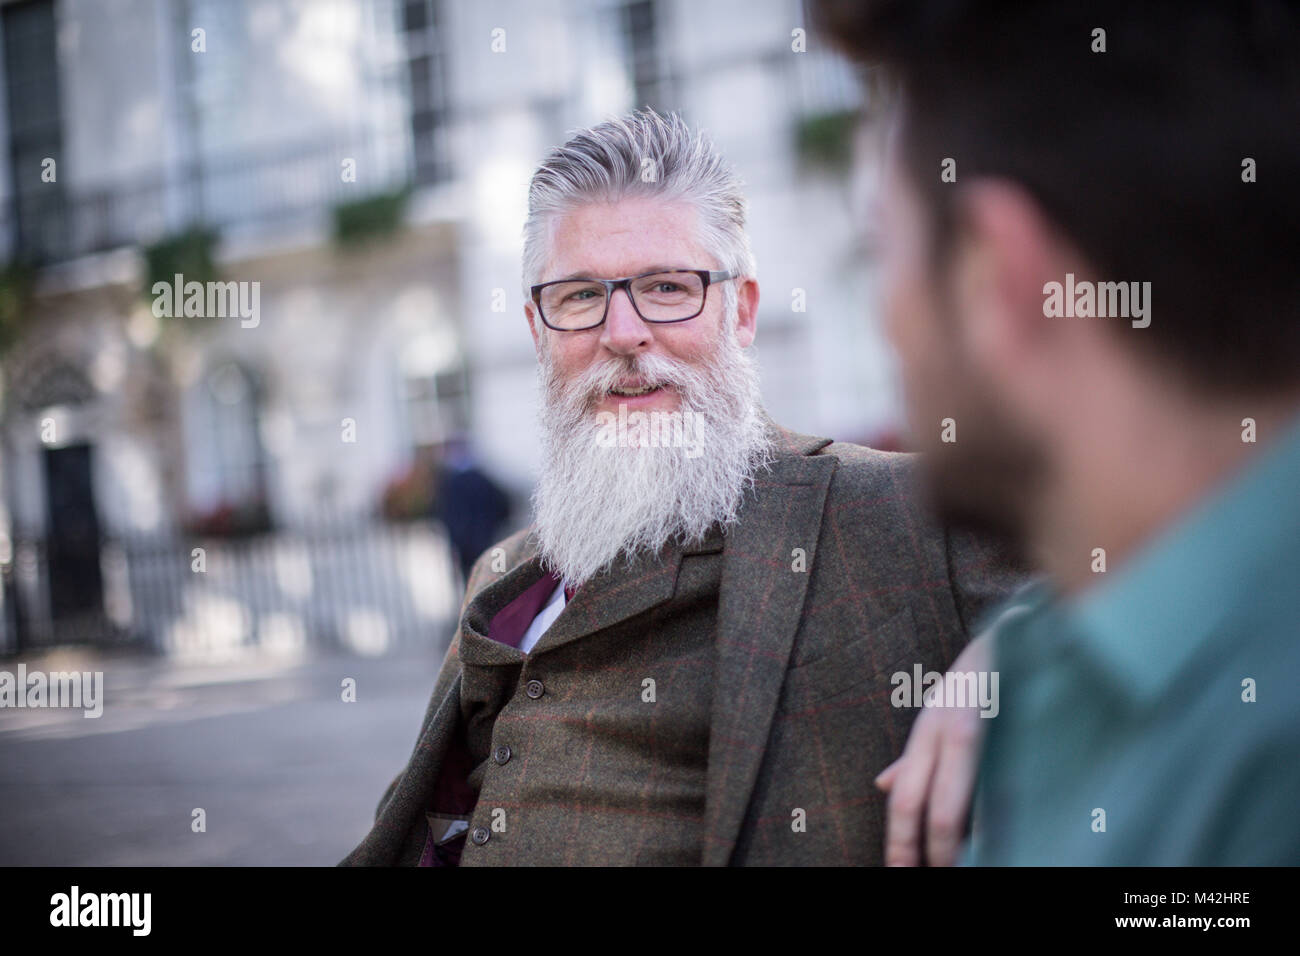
607,599
621,593
759,609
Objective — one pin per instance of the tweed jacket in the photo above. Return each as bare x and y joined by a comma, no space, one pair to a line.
833,579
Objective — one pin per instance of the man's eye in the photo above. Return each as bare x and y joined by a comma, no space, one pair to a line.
667,287
581,295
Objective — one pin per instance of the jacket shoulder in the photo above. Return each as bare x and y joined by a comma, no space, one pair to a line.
867,471
875,500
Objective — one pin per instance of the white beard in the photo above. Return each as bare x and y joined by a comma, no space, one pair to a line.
595,502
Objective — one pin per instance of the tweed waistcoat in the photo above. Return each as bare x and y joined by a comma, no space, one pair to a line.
594,750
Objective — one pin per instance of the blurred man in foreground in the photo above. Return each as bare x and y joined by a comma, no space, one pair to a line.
1092,234
687,658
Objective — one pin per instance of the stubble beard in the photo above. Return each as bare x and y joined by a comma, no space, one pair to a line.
992,477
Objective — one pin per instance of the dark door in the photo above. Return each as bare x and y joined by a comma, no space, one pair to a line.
76,585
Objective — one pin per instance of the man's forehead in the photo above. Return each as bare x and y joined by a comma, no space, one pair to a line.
625,237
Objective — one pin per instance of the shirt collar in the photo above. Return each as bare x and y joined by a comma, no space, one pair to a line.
509,624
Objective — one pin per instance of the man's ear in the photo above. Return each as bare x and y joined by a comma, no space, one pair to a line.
532,327
1005,252
746,312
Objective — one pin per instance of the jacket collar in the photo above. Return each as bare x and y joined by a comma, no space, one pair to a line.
606,600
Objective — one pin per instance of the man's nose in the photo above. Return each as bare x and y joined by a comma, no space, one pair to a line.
624,331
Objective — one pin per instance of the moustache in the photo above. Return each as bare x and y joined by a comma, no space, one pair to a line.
596,383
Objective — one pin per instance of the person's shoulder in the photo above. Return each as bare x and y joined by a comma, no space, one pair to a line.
860,458
867,486
880,476
863,460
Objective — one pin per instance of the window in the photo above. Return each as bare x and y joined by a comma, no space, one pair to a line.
437,405
234,407
35,128
639,25
227,461
426,71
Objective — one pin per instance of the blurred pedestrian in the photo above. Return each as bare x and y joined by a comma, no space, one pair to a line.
469,503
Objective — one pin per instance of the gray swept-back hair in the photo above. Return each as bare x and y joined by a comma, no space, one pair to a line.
640,154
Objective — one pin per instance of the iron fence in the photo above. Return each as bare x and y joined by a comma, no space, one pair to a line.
367,587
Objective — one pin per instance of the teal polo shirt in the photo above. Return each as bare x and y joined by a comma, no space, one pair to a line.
1154,719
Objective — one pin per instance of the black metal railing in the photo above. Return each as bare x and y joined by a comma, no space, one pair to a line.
368,587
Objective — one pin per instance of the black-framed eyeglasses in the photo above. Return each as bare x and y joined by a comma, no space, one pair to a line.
675,295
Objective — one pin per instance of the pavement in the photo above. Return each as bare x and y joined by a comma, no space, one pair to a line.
285,771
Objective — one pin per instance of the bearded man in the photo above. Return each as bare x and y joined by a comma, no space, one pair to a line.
687,658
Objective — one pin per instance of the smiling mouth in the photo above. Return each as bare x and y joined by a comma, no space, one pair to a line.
627,391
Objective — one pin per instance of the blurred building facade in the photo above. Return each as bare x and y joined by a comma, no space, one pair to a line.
362,164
